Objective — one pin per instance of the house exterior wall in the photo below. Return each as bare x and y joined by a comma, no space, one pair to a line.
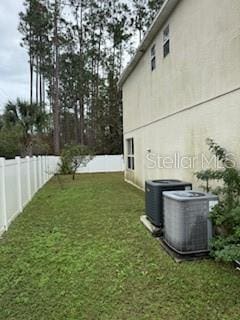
193,94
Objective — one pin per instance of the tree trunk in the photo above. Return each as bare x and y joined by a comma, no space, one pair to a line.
56,102
77,129
31,59
81,121
43,92
31,79
81,89
40,84
37,84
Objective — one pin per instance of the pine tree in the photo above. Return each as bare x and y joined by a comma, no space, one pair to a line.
79,58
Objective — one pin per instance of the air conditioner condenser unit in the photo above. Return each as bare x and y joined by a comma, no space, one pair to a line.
187,227
154,197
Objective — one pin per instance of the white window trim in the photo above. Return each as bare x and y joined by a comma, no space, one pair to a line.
166,39
130,154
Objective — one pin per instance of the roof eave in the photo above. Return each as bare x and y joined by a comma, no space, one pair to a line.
156,25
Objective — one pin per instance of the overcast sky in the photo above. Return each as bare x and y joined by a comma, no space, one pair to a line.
14,74
14,69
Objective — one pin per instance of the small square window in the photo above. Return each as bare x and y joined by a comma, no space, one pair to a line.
153,63
153,51
153,57
166,41
166,34
166,48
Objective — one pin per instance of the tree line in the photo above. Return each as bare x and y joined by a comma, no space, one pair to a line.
77,50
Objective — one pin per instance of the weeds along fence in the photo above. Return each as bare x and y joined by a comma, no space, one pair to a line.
20,179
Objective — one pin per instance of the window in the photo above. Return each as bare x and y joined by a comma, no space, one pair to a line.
166,41
153,57
130,154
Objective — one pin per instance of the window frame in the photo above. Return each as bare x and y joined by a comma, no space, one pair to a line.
153,57
166,41
130,154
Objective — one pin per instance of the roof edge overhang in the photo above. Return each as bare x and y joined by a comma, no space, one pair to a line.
158,22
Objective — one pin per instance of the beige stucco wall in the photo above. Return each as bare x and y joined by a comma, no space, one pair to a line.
193,93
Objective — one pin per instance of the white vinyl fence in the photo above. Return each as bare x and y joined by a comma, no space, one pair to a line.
20,179
104,163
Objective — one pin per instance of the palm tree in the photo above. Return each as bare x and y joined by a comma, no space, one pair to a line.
29,117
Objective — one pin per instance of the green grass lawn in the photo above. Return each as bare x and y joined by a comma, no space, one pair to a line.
81,253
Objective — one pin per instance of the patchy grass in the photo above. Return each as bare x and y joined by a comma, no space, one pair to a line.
81,253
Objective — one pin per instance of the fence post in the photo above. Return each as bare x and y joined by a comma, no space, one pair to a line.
37,168
39,171
43,170
28,178
3,196
18,163
49,167
35,173
46,169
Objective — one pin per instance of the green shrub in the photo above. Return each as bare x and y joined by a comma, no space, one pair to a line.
72,157
226,215
10,142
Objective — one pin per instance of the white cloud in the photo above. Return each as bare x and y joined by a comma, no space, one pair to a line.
14,74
